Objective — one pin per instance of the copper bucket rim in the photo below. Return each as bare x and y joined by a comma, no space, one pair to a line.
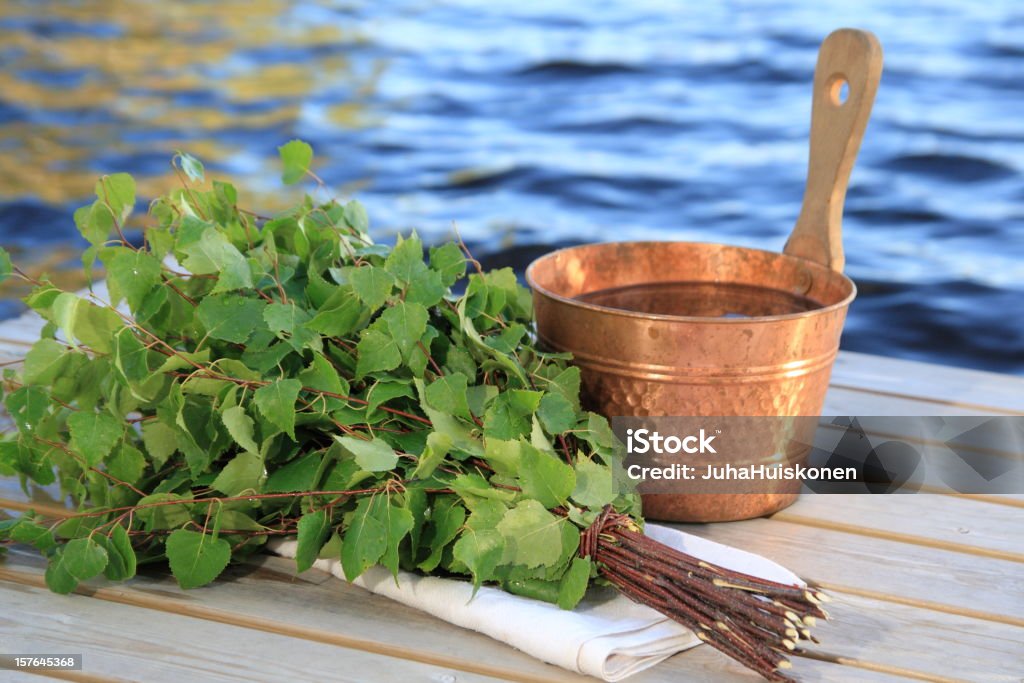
620,312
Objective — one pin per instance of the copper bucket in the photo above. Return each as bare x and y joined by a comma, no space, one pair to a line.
694,329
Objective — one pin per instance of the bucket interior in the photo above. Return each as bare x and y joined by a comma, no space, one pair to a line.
686,279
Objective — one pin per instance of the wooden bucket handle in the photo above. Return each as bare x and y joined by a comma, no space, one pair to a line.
852,58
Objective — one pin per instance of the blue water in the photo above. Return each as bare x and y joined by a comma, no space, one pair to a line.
531,125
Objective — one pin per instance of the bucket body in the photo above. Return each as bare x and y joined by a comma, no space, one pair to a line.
636,363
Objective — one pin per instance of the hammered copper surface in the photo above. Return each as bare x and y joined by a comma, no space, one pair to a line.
636,363
645,364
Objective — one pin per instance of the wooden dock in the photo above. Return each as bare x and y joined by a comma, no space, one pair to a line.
927,587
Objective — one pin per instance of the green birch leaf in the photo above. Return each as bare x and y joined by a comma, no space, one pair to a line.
276,402
426,288
448,394
241,474
507,341
507,416
481,551
399,523
355,215
131,358
372,285
479,397
448,260
340,313
406,259
241,427
165,515
122,560
231,317
57,577
30,533
331,550
545,478
486,515
594,484
532,535
192,167
573,585
406,322
600,432
556,413
313,529
366,538
213,254
95,222
290,323
504,456
127,463
83,558
416,502
446,521
132,274
117,191
382,392
377,352
296,157
460,434
196,559
298,475
323,376
79,560
567,383
81,526
85,323
374,455
44,362
94,434
438,446
152,306
160,440
265,360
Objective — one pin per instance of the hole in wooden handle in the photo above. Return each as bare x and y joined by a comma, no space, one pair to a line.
838,91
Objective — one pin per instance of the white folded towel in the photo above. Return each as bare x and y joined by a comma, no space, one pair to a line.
607,636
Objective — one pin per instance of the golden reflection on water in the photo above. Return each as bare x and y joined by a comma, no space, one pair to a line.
136,57
130,76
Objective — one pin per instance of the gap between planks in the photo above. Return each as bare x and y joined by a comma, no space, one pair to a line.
898,537
1009,499
921,604
879,668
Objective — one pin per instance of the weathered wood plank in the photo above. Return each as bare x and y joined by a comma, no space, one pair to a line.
960,386
318,607
946,522
9,674
957,583
117,640
926,641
